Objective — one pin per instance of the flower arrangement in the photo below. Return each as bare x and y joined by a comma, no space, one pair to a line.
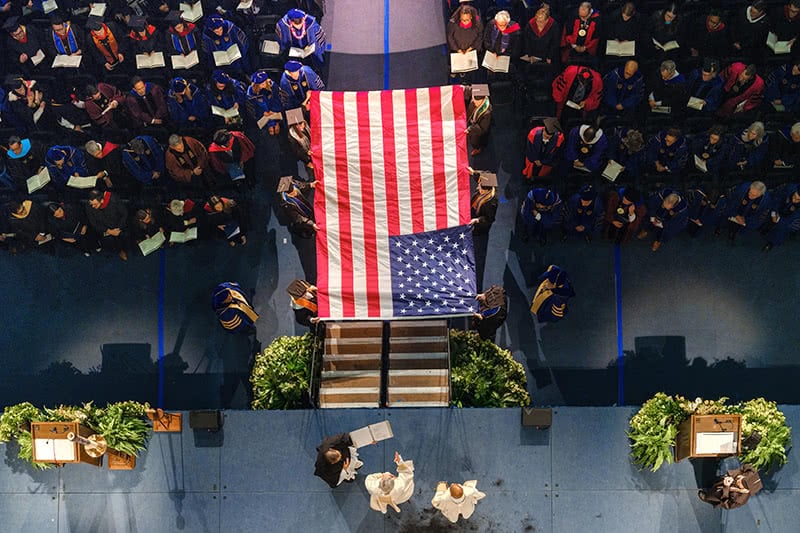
654,427
123,424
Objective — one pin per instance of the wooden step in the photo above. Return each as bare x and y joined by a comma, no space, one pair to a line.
351,378
354,329
355,396
411,361
351,362
438,377
411,330
419,345
418,394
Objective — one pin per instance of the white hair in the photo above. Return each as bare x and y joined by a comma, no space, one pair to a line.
759,186
502,17
795,129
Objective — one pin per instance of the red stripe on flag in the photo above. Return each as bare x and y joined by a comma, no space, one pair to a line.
437,146
414,178
390,162
368,204
323,300
460,112
343,194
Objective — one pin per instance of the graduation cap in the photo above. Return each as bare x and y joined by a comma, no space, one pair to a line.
137,23
587,192
285,184
173,18
293,66
487,179
298,288
294,116
11,24
215,21
94,23
710,65
495,296
294,14
480,90
551,125
259,77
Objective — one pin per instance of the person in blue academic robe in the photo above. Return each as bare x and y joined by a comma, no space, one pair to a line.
784,216
706,207
586,148
783,88
667,152
298,29
219,35
669,214
226,93
540,212
786,151
705,84
627,147
64,161
544,149
187,105
750,148
262,100
714,151
747,209
583,214
233,308
297,82
623,90
550,300
144,159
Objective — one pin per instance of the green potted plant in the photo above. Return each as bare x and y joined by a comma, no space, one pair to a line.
281,373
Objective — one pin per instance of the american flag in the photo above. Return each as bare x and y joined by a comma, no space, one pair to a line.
392,167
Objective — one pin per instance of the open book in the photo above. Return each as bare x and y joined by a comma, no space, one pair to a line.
264,120
37,58
671,45
464,62
185,61
191,12
270,47
148,246
154,60
227,57
65,61
98,10
662,109
696,103
612,170
620,48
531,59
245,4
780,108
779,47
572,105
371,433
224,113
700,163
302,53
37,181
82,182
183,236
496,63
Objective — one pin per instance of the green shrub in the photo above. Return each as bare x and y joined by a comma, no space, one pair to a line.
281,373
776,437
483,374
122,424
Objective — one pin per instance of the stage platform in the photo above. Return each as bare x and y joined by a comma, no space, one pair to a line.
256,475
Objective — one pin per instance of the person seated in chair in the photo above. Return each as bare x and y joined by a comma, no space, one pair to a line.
742,90
747,209
583,214
669,214
544,149
623,91
586,148
668,152
577,93
783,87
704,84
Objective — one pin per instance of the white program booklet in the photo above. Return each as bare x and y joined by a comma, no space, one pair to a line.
715,442
82,182
54,450
225,113
65,61
612,170
98,10
464,62
154,60
302,53
696,103
227,57
191,12
48,6
496,63
38,57
573,105
779,47
662,109
700,163
148,246
671,45
270,47
185,61
183,236
621,48
371,433
37,181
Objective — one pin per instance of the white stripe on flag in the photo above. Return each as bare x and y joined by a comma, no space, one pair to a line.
329,132
401,149
450,158
426,160
356,206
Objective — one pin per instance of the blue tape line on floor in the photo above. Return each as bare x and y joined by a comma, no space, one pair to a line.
620,352
162,270
385,44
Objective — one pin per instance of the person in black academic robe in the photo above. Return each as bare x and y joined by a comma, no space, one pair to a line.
23,43
333,456
24,159
493,312
68,224
749,30
479,118
483,209
710,36
624,24
108,217
541,42
28,220
297,208
224,215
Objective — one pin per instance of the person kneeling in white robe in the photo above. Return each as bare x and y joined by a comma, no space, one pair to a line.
459,499
386,489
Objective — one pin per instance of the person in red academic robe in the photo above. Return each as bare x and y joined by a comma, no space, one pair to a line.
581,35
743,89
580,85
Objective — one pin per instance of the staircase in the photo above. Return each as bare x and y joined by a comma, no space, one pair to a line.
419,366
351,365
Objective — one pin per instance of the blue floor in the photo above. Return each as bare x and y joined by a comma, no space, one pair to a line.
575,477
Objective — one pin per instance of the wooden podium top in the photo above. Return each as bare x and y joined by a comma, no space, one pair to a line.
709,436
50,443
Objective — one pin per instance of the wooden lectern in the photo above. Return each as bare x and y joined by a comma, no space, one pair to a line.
709,436
51,445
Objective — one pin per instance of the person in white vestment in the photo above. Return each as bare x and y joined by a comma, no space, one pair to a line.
459,499
387,490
